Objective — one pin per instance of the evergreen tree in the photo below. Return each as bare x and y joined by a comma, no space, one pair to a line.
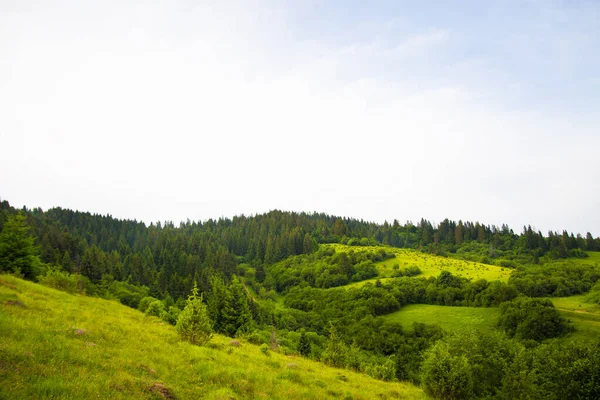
260,273
335,352
18,252
304,344
216,302
236,312
193,323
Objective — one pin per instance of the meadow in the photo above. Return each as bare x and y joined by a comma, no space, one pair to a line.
584,316
63,346
449,318
430,265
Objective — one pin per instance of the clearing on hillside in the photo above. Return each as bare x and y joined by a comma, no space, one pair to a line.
448,317
57,345
430,265
584,316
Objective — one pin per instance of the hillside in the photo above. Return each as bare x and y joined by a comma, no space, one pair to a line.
429,265
58,345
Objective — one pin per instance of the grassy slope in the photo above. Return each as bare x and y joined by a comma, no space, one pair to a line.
585,316
123,355
430,265
449,318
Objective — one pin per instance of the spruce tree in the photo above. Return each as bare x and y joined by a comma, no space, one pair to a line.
216,302
193,323
304,344
18,252
335,352
236,312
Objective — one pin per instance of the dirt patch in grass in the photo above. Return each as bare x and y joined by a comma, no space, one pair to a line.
9,285
16,303
162,390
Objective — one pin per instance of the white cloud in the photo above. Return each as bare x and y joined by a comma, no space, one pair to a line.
169,112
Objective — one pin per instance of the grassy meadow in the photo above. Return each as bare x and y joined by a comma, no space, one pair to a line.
449,318
61,346
584,316
430,265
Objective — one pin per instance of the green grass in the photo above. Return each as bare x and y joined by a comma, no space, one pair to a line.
449,318
584,316
593,258
60,346
430,265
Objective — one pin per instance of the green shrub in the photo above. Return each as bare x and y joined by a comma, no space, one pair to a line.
145,302
155,309
535,319
264,348
61,280
446,376
171,315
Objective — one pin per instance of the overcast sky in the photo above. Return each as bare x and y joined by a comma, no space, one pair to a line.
380,110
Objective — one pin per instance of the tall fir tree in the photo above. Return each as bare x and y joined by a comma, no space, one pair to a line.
18,251
236,312
304,344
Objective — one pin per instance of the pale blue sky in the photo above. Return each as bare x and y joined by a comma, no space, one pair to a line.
168,110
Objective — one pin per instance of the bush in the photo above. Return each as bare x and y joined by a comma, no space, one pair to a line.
446,376
264,348
535,319
155,309
193,323
171,315
60,280
145,302
128,294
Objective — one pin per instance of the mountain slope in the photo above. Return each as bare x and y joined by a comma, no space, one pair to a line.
56,345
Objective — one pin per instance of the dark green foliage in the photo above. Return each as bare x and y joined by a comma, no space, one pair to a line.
559,280
535,319
126,293
303,344
18,251
216,302
472,364
446,375
326,268
236,315
554,370
170,315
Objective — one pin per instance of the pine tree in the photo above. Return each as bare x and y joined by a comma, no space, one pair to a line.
260,273
236,312
304,344
193,323
308,244
18,252
335,352
216,302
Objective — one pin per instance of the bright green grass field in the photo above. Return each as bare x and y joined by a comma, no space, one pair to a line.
430,265
593,258
118,353
584,316
449,318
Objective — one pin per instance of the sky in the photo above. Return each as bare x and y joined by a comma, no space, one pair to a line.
380,110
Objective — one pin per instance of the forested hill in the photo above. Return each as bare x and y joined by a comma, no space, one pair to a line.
168,258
